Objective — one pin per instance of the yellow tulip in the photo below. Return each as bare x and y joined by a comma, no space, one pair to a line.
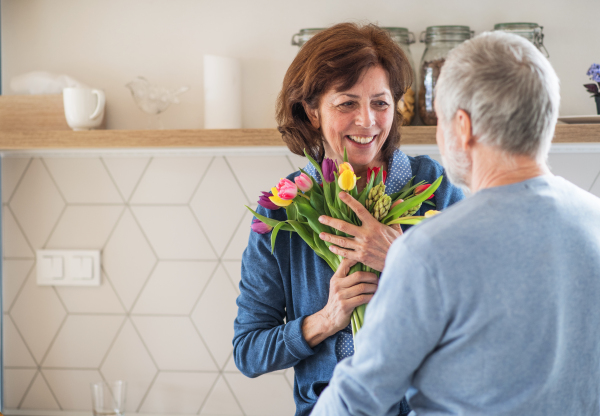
347,180
278,201
431,213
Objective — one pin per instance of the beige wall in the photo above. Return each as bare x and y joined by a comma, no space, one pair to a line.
106,43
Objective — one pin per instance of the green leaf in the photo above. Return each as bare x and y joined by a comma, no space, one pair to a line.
305,232
345,155
428,202
312,216
406,220
317,202
379,177
274,234
266,220
401,208
291,212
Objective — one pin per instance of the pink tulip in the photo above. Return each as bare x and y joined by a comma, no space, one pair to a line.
260,227
303,182
286,189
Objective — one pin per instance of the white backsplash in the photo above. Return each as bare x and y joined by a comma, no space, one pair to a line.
172,230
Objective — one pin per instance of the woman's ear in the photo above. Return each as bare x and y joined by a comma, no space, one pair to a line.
313,115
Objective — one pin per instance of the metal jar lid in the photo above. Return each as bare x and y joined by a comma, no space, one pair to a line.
530,31
401,35
446,34
304,35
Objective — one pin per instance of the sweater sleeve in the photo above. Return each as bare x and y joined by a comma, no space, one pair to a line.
393,342
262,341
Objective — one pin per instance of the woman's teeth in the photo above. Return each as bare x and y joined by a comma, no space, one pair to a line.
362,140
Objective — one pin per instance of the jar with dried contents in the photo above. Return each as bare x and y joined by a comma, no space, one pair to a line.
530,31
439,41
406,106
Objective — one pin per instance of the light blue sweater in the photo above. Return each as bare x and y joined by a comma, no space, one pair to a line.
500,311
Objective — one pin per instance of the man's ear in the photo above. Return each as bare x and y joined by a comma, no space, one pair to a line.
463,130
313,115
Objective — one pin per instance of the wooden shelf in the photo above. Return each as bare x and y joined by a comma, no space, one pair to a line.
37,122
102,139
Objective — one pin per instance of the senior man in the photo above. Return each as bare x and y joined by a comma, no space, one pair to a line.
493,306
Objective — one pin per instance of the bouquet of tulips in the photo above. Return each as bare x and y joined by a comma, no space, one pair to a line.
305,201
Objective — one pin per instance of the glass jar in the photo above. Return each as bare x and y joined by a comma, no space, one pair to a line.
530,31
406,105
304,35
439,41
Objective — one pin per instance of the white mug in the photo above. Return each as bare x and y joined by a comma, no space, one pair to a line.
84,107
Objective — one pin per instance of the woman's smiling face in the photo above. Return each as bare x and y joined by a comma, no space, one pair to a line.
358,119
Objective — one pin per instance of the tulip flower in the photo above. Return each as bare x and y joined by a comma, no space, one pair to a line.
345,166
375,171
277,200
303,182
286,189
265,202
431,213
260,227
422,188
347,180
329,168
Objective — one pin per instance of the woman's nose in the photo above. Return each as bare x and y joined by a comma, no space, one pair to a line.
365,117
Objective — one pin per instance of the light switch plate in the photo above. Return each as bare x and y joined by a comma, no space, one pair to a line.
68,267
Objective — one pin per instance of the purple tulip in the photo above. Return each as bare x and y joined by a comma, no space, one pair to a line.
329,168
265,202
260,227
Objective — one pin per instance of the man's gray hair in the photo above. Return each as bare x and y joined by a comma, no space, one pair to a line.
508,88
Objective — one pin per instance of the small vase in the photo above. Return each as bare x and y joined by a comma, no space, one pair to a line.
597,98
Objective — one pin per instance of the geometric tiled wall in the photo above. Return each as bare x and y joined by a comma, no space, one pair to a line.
172,231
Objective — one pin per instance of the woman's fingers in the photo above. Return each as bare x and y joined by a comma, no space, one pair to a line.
339,225
338,240
361,212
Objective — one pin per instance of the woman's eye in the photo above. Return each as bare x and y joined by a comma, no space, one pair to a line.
347,104
381,104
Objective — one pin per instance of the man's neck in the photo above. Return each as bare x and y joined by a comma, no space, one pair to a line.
492,168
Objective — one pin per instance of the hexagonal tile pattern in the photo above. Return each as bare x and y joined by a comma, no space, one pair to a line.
38,314
267,395
72,387
178,392
238,243
174,287
85,227
37,204
14,243
221,401
126,172
174,343
12,171
219,204
128,259
95,299
39,396
83,341
83,180
16,383
157,184
174,233
259,173
14,273
234,271
129,360
215,314
16,353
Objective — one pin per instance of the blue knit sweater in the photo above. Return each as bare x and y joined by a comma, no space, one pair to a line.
279,290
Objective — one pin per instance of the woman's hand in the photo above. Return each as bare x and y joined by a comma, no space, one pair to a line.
371,241
346,292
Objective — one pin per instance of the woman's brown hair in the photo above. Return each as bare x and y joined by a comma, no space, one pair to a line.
337,57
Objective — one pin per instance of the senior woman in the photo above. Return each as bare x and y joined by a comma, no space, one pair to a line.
340,92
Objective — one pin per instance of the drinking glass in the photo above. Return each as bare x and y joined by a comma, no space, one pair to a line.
108,399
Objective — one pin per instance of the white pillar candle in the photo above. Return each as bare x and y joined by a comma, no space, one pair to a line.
222,93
